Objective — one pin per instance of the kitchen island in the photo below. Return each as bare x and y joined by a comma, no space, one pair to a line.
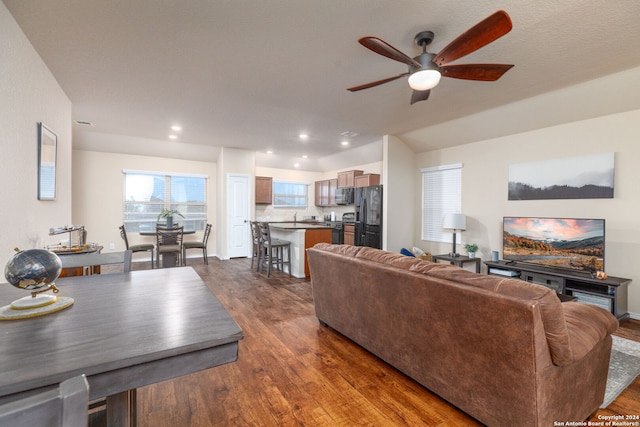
302,236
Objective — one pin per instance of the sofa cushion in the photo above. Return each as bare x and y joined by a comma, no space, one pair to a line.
339,249
389,258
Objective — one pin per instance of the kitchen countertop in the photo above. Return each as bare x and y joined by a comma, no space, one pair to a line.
299,226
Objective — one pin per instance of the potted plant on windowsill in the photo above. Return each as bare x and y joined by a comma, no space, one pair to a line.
471,248
168,214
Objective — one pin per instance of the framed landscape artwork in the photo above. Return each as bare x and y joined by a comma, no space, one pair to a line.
47,150
586,177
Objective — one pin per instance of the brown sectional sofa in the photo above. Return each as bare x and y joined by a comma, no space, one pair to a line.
505,351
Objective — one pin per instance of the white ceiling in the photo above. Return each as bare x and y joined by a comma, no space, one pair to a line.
253,74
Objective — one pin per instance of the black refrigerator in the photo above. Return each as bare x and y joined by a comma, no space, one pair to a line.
368,202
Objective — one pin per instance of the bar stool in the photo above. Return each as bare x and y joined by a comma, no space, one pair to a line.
256,244
273,250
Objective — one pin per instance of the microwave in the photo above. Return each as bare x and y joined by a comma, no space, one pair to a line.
344,196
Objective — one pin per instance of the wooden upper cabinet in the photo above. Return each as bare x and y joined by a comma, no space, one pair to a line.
348,178
367,179
318,193
333,185
264,190
326,192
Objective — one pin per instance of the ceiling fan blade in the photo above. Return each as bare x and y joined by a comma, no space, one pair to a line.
420,95
385,49
481,34
484,72
376,83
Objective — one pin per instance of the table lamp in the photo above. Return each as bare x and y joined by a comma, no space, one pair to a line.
455,221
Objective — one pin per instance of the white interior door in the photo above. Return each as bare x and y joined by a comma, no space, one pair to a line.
238,216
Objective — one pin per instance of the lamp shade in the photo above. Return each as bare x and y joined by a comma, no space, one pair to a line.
424,79
455,221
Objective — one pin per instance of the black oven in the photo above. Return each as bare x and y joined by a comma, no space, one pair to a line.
337,235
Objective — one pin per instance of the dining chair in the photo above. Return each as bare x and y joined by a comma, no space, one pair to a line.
274,250
64,406
196,244
142,247
169,242
92,263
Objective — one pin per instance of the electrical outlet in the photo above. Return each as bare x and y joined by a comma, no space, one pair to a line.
112,245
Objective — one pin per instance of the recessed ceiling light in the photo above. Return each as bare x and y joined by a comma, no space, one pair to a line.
296,165
304,156
345,143
303,136
173,137
269,152
176,128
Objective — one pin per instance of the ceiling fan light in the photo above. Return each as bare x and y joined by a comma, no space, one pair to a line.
424,79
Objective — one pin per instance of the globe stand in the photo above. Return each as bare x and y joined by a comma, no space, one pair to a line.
36,304
36,300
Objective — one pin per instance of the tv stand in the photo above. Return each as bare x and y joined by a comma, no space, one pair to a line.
609,293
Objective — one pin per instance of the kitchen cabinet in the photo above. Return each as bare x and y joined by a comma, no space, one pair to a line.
349,234
348,178
264,190
333,186
367,179
319,188
326,192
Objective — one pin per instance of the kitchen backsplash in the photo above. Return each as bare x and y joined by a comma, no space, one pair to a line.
269,213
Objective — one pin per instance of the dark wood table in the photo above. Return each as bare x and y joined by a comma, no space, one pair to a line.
124,331
458,260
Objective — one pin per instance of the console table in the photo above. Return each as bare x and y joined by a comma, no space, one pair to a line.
458,260
609,293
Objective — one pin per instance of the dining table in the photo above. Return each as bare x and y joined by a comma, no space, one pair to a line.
123,331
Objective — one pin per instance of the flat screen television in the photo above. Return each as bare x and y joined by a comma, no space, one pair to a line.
568,243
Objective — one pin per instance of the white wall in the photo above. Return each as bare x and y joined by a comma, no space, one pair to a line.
485,176
29,94
398,195
98,187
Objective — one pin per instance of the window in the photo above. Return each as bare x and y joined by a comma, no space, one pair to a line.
289,194
147,193
441,194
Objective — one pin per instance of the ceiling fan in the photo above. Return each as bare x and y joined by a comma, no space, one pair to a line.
426,69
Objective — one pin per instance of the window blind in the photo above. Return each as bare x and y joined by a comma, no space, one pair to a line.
441,194
147,193
289,194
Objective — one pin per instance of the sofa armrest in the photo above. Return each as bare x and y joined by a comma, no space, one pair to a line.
587,325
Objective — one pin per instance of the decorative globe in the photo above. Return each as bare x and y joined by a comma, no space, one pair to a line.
33,269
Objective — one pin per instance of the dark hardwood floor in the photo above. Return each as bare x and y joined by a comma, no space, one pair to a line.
293,372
